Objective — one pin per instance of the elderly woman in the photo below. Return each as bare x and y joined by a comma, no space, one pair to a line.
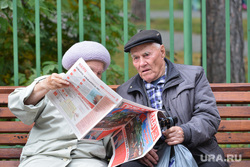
51,141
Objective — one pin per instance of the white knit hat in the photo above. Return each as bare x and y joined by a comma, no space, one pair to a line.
88,50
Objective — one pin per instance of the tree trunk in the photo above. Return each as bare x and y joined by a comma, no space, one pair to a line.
138,10
237,43
216,41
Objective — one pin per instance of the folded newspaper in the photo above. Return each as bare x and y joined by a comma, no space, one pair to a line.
94,110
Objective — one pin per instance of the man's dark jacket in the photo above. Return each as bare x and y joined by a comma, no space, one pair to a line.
187,95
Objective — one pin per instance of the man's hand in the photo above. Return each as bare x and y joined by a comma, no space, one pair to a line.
150,159
174,135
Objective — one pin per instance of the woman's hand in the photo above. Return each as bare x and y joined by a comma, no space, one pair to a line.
52,82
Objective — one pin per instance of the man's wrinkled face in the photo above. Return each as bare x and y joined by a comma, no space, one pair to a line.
97,67
148,59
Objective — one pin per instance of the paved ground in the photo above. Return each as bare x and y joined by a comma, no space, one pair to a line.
178,37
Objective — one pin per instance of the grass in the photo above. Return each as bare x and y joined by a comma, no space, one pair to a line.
160,5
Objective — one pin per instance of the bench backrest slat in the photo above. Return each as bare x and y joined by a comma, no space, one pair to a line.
221,87
232,97
234,111
8,89
13,139
6,113
4,98
233,138
234,125
10,153
244,152
9,163
14,127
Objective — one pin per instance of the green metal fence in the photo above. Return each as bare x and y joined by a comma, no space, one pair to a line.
187,22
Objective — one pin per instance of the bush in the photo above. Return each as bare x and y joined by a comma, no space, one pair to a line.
48,34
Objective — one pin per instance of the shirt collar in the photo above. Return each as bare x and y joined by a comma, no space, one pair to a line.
159,80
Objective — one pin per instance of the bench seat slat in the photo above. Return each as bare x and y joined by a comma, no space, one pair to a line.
233,138
14,127
234,125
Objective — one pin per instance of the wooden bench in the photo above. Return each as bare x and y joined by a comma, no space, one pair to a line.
234,129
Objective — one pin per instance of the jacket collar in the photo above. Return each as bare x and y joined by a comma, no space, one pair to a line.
173,78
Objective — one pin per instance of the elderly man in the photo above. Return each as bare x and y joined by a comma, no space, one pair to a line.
51,141
181,91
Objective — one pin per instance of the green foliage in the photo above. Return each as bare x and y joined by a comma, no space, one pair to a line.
48,35
48,67
115,74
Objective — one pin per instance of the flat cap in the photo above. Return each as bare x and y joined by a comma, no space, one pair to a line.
144,36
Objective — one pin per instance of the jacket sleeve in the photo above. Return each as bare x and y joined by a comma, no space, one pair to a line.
205,118
26,113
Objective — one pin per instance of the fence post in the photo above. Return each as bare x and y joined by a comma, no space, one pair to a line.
148,14
15,43
103,33
204,36
59,36
248,40
187,23
37,27
125,29
228,55
171,29
81,21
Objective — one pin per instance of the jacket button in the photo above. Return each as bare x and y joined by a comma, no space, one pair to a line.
130,86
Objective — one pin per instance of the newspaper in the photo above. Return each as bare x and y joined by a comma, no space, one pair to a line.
94,110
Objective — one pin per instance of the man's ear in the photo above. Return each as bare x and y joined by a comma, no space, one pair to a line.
163,51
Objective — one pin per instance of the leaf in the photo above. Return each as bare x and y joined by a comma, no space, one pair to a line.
49,67
4,4
10,4
31,3
4,25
